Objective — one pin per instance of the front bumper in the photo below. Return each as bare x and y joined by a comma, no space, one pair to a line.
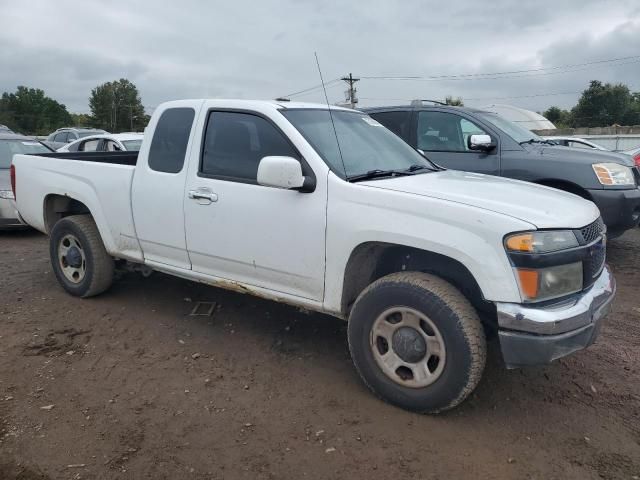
531,335
9,216
620,209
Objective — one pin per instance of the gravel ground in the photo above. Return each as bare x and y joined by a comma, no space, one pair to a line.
128,385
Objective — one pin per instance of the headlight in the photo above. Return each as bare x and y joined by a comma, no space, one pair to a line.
7,195
545,283
613,174
541,242
551,282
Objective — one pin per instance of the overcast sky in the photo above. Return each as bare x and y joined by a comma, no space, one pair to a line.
264,49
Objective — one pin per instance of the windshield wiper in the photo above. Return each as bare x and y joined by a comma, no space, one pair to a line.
377,173
416,166
538,140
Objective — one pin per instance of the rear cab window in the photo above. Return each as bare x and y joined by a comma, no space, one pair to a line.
170,139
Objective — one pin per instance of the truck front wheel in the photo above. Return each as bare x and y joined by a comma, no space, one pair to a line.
417,342
78,257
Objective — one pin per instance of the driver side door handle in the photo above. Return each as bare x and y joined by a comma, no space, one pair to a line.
207,196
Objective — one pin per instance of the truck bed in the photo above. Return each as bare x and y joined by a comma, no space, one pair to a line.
116,158
101,181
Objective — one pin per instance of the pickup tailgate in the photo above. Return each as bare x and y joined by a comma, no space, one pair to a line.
45,184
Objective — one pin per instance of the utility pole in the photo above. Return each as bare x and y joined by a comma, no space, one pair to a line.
351,93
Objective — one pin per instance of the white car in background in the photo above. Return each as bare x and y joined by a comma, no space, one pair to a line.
111,142
575,142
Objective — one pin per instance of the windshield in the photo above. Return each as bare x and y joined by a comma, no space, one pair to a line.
364,143
132,145
515,131
8,148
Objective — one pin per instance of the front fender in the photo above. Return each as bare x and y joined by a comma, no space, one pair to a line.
469,235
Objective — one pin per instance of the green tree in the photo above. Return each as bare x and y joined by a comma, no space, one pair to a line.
31,112
558,116
603,104
116,106
82,120
456,102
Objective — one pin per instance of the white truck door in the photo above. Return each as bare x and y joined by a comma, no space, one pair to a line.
243,232
158,185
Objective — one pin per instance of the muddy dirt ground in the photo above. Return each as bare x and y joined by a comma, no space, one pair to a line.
128,385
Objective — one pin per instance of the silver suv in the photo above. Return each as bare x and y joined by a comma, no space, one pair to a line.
62,136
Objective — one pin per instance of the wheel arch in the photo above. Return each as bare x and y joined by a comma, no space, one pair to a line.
58,206
370,261
565,186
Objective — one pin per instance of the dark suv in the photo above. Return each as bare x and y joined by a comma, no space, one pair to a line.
479,141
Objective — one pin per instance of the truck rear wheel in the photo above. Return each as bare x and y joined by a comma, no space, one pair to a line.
417,342
80,262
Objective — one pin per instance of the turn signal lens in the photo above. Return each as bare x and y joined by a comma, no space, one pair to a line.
520,243
528,283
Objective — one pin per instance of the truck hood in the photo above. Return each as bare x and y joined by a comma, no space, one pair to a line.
543,207
580,155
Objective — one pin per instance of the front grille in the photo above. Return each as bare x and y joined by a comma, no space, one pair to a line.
591,232
594,263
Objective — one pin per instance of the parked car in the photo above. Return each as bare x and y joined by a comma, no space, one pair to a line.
110,142
10,144
479,141
258,197
5,129
62,136
575,142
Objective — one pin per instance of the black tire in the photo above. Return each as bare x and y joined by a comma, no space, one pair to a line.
98,265
460,332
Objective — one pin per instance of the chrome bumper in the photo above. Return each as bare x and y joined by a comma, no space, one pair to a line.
532,335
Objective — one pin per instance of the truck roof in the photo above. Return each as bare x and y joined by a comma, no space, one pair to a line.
424,107
240,103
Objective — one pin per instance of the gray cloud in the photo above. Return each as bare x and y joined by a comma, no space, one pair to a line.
264,49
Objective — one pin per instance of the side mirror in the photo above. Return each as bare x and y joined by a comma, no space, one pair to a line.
480,142
283,172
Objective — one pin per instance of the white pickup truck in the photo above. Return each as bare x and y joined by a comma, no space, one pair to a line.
327,210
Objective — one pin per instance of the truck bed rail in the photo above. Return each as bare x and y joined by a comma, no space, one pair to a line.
117,158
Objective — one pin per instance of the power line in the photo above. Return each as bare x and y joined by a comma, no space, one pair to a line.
635,58
310,89
481,98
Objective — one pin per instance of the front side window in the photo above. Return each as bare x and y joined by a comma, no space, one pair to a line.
364,144
445,132
235,143
170,140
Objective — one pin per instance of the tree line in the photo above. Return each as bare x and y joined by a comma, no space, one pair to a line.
115,106
600,105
